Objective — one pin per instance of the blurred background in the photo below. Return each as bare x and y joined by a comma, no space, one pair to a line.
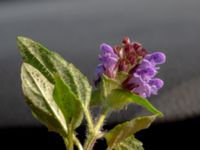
75,29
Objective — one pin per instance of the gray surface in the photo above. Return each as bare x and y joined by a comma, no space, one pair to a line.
76,28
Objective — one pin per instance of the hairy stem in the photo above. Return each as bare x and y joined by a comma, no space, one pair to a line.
96,133
101,119
91,139
88,117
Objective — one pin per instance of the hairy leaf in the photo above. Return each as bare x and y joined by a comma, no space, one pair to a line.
104,88
38,92
50,63
122,131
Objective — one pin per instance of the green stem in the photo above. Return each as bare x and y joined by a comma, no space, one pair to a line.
101,119
70,145
75,140
89,144
77,143
96,133
88,117
66,141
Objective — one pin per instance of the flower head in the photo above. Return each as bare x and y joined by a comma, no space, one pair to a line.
132,58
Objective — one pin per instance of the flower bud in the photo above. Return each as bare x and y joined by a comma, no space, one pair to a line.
122,66
126,40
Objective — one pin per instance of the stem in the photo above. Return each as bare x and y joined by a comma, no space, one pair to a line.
77,142
101,120
88,117
65,141
93,136
89,144
70,138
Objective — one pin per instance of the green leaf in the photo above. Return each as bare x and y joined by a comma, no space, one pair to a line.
130,143
50,63
68,103
107,85
122,131
38,92
96,98
104,88
120,97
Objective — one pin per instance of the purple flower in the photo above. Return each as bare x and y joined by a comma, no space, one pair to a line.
105,48
108,60
141,88
132,58
143,79
146,70
98,72
156,58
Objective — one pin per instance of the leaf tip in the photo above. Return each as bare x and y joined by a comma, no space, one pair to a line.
20,38
160,114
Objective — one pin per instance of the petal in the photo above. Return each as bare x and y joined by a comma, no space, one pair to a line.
156,57
146,70
98,72
156,82
143,89
105,48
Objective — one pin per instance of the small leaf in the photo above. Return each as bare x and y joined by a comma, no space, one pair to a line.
104,89
38,92
50,63
120,97
68,103
130,143
122,131
107,85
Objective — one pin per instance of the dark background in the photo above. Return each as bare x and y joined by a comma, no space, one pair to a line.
75,29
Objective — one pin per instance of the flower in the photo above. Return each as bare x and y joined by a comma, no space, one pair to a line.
98,73
156,58
144,77
108,60
146,70
141,87
132,58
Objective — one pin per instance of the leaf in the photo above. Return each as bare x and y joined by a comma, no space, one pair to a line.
38,92
120,97
68,103
96,98
130,143
107,85
126,129
104,88
50,63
